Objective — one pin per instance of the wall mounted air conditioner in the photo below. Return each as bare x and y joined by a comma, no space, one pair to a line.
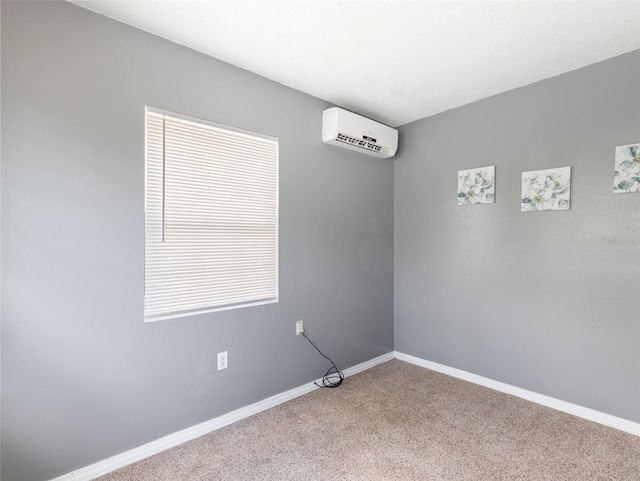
352,131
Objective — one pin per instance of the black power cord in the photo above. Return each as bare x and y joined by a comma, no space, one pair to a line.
333,377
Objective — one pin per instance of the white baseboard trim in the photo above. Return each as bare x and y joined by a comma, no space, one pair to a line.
569,408
363,366
154,447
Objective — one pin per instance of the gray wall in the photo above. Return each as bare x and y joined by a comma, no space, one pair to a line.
544,301
83,378
547,301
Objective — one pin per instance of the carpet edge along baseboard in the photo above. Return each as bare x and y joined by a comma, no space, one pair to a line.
557,404
118,461
108,465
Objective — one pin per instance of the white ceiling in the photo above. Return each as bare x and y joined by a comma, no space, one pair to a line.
394,61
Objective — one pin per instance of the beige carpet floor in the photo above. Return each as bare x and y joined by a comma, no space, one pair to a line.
398,421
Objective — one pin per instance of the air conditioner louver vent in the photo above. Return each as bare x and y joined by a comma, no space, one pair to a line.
358,143
354,132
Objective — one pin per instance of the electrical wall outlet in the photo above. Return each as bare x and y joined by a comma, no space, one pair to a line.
299,328
223,360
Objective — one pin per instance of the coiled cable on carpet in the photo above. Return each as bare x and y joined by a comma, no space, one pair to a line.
333,377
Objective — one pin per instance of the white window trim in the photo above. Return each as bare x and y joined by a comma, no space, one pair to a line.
154,315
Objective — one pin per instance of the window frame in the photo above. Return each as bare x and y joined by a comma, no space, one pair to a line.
152,315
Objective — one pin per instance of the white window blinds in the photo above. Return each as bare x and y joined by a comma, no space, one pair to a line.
211,217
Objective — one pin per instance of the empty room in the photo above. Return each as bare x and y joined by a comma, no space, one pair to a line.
319,240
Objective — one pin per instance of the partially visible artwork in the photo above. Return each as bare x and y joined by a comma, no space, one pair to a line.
546,189
627,169
477,186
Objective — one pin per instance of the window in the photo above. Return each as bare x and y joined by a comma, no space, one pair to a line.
211,217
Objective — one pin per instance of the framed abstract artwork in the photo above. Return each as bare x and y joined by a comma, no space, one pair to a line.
477,186
626,177
546,190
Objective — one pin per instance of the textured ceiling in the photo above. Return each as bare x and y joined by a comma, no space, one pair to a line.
394,61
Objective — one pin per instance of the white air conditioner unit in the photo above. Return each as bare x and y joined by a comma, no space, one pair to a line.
351,131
